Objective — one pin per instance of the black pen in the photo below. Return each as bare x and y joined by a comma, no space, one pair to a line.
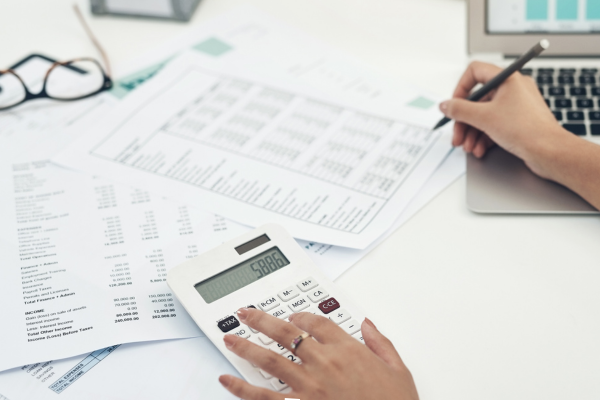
502,76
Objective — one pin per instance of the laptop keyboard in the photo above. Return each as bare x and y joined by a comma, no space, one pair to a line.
573,95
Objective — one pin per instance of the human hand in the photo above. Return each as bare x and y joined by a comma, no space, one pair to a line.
514,116
334,366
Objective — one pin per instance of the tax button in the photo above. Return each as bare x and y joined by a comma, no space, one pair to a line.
329,305
228,324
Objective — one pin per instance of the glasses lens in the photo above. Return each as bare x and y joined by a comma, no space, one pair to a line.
11,90
75,79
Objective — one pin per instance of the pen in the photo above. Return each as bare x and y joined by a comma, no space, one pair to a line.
502,76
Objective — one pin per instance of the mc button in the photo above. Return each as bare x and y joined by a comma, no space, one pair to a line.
329,305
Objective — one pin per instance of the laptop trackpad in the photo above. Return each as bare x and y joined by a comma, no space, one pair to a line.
502,183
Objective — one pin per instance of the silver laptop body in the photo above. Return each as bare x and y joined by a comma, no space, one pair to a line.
570,81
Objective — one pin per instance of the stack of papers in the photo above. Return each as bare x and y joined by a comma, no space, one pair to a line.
246,121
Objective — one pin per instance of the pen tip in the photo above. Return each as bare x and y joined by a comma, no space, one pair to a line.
545,44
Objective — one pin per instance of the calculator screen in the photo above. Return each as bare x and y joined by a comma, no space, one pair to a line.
241,275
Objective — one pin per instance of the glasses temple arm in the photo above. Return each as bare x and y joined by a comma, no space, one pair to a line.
93,39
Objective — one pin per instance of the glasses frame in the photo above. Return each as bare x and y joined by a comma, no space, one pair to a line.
107,83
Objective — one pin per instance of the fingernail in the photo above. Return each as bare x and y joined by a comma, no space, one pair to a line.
224,380
368,321
242,313
444,106
229,340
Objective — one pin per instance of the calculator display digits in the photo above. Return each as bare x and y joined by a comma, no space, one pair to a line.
241,275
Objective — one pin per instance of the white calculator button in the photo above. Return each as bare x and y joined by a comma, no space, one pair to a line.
306,284
358,336
340,315
265,374
242,332
351,327
277,348
268,304
278,384
299,304
265,339
280,312
313,310
292,357
317,295
288,293
253,330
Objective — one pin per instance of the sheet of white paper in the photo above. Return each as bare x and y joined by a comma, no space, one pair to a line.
175,370
255,152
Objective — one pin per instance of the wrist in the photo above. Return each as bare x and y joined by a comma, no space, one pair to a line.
546,156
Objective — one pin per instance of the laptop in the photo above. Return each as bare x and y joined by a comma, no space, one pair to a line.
568,77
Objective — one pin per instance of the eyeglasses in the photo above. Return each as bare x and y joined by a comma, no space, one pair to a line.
65,81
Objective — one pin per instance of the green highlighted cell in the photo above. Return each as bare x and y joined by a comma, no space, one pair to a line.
567,10
592,9
421,102
537,10
213,47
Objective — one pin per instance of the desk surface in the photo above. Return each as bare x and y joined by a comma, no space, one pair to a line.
490,307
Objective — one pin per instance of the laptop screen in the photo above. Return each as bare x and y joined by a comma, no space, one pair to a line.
543,16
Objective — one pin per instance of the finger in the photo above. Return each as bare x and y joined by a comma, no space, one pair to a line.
381,345
246,391
275,328
321,328
471,113
267,360
476,73
470,139
481,146
459,134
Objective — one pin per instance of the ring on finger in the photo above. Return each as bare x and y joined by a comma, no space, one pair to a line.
297,340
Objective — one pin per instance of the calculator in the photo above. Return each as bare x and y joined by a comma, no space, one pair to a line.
264,269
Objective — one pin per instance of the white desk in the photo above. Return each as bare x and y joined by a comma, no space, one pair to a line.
480,307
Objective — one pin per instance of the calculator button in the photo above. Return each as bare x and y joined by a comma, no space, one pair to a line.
299,304
280,312
264,339
316,311
317,295
329,305
351,327
306,284
292,357
242,332
278,384
265,374
228,324
268,304
339,316
358,336
288,293
277,348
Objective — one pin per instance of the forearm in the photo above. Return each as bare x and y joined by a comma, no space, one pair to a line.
574,163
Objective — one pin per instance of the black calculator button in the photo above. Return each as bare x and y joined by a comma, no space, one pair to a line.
228,324
558,115
577,129
567,71
595,91
527,71
541,90
595,128
546,71
251,306
589,71
587,79
545,80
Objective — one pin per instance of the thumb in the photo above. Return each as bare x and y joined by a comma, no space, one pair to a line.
469,112
381,345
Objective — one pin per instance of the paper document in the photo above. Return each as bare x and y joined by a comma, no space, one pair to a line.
174,370
87,263
255,152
